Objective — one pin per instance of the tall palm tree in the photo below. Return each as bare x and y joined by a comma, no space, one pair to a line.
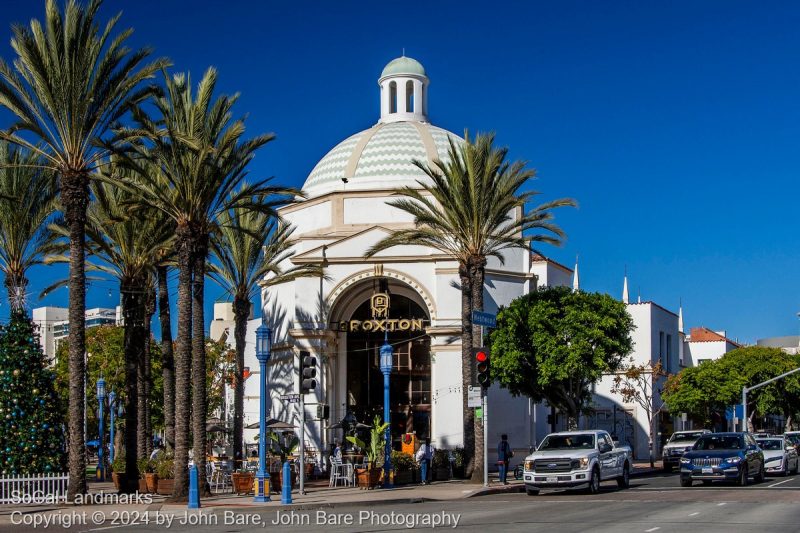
250,249
470,209
27,203
126,245
202,158
70,81
167,358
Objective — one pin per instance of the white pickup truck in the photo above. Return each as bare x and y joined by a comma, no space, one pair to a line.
575,458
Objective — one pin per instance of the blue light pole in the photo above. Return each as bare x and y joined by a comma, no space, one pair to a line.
101,398
263,342
112,409
386,368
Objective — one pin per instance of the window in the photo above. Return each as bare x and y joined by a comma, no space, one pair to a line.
668,362
393,97
410,96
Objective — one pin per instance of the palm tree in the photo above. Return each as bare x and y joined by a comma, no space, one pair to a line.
470,209
202,159
69,83
27,203
167,359
250,249
127,245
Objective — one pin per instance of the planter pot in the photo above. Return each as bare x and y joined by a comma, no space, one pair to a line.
403,477
165,486
459,472
242,482
441,474
151,480
142,485
368,478
119,479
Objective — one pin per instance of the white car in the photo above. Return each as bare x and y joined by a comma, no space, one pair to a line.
577,458
780,456
679,443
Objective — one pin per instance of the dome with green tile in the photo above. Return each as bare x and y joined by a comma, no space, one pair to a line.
403,65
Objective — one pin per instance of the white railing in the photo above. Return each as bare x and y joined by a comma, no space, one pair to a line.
34,489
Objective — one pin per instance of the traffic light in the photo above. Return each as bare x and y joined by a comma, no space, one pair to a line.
480,360
308,372
323,411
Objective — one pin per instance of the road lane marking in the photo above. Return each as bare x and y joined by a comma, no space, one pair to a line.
780,483
694,514
651,529
721,504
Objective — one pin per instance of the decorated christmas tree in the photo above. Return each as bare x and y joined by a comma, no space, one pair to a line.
31,431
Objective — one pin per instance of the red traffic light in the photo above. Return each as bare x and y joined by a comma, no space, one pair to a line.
481,357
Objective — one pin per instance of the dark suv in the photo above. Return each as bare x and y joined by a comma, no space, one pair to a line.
725,457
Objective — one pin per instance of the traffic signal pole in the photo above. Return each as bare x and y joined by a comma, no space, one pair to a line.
302,442
485,415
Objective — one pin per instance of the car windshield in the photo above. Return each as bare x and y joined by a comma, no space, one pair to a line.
719,442
770,444
562,442
685,436
794,439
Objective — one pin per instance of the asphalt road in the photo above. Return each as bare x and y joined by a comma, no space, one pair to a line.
655,504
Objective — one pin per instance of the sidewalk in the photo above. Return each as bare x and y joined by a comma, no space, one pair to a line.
318,495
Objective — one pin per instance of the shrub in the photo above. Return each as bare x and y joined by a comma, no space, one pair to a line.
118,465
165,467
402,461
459,457
441,459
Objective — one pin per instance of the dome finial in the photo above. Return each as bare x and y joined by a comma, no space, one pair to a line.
404,52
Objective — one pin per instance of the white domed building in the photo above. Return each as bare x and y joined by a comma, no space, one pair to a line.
338,321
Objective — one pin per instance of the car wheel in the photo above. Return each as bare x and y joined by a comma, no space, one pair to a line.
742,481
759,478
594,482
531,492
686,481
706,482
624,481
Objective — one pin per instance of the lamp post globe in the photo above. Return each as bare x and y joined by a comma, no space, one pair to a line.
387,355
263,352
101,398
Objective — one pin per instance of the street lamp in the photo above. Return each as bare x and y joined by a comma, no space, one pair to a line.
263,341
101,397
386,368
112,408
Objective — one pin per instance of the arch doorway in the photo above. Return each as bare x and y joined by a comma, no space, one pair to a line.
410,381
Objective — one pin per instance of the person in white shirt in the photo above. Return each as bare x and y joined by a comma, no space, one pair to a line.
424,458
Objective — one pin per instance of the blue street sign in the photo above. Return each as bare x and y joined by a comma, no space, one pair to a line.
736,411
479,318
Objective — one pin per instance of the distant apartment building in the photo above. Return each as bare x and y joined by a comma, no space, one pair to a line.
53,324
703,344
789,343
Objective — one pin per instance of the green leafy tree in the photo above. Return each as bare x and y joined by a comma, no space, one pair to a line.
31,423
702,392
553,343
471,208
27,204
72,79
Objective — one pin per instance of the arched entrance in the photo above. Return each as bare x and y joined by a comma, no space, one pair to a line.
403,320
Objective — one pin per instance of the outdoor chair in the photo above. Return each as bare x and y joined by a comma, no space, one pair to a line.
219,478
340,472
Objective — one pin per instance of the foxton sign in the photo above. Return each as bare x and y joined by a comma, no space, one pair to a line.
379,305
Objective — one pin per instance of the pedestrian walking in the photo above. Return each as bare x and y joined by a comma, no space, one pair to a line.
504,455
424,457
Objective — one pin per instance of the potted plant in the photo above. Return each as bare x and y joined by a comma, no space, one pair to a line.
403,467
118,471
145,466
441,465
369,477
242,481
165,470
459,462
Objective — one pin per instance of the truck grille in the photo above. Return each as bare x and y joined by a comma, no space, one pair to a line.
676,452
552,466
713,461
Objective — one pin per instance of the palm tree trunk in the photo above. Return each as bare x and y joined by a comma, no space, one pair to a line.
141,387
199,360
149,309
132,316
241,312
466,369
183,359
16,285
75,197
477,274
167,360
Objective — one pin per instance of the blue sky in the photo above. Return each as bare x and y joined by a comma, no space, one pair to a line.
674,124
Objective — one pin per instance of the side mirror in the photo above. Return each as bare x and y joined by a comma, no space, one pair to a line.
752,447
605,448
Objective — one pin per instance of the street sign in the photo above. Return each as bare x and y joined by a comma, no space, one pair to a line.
474,397
290,398
488,320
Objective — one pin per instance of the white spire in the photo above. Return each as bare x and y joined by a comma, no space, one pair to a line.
625,298
638,295
576,279
680,317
